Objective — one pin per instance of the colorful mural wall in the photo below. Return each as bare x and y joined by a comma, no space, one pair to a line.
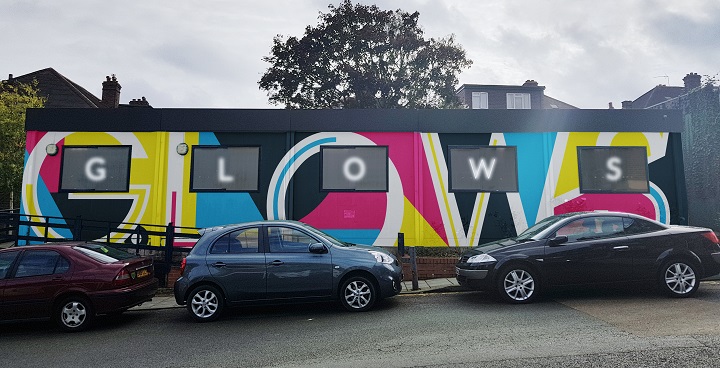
418,199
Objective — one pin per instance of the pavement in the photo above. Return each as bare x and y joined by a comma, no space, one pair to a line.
164,298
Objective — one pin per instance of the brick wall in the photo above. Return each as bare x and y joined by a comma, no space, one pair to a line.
429,267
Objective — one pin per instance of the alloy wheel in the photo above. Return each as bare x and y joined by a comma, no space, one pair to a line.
519,285
680,278
204,303
73,314
357,294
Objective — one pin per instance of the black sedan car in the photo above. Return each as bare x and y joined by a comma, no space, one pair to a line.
592,248
281,261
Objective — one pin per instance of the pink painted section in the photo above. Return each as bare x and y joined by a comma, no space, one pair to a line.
633,203
402,147
32,138
349,211
401,151
50,169
173,206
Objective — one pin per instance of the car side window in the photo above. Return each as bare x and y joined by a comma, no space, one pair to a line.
636,226
592,228
287,240
6,261
238,241
41,262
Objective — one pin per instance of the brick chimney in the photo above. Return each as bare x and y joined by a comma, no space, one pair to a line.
627,104
692,81
530,83
110,93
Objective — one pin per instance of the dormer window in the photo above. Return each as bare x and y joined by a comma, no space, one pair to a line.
518,100
479,100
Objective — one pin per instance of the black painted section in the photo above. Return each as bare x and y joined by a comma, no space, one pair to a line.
465,200
344,120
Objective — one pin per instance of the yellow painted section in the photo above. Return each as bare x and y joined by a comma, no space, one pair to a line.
568,179
422,234
145,173
631,139
476,223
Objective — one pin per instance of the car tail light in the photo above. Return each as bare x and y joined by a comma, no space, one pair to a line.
711,235
182,266
122,278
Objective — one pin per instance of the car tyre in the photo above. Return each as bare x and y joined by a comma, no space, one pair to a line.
679,279
518,284
358,294
74,314
205,303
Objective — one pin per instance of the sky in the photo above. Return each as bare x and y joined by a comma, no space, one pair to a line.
208,53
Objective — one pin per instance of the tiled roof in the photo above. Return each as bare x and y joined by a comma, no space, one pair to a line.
60,91
659,94
552,103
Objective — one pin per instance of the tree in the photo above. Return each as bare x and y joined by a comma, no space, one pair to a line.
359,56
15,98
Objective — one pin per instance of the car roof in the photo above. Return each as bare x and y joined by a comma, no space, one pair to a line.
212,229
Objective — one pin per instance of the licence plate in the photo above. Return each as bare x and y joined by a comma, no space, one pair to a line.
143,273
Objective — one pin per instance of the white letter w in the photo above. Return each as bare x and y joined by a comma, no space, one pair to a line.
481,167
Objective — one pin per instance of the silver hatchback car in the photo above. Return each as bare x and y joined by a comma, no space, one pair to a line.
268,262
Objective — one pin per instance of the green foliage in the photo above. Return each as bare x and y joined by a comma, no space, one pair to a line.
15,98
359,56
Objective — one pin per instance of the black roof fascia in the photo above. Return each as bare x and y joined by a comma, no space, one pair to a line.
359,120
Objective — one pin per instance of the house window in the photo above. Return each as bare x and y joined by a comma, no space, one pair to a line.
221,169
354,168
483,168
613,169
518,100
95,169
479,100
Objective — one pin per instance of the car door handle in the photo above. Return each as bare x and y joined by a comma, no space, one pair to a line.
621,247
219,264
276,263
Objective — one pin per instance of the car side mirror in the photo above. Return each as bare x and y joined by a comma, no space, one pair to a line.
317,248
558,240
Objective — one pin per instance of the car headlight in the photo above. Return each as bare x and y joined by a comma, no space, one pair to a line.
382,257
481,258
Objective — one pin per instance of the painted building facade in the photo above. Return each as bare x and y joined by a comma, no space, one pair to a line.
441,177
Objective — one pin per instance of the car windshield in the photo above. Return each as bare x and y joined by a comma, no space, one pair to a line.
103,253
539,227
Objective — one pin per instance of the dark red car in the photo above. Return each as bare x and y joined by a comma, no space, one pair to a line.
72,282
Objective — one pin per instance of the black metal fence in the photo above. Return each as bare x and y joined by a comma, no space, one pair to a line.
158,241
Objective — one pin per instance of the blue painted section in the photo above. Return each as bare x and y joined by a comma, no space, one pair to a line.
534,152
223,208
661,205
276,192
357,236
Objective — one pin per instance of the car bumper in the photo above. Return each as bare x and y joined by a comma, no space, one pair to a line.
180,289
389,279
109,301
477,279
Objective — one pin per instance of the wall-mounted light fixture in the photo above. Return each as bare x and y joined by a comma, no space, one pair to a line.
51,149
182,149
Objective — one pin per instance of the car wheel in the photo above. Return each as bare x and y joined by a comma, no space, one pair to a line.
679,279
357,294
205,303
518,284
74,314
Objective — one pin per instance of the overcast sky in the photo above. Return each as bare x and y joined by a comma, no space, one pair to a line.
208,53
